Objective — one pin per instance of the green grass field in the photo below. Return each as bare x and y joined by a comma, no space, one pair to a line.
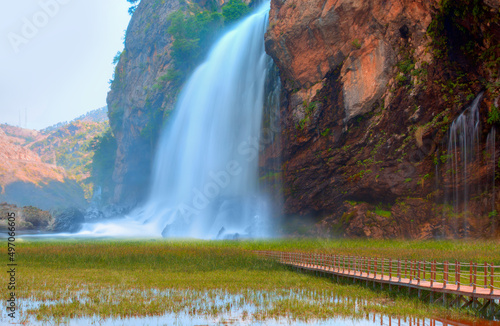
123,278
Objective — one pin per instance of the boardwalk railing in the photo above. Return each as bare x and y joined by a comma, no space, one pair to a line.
456,279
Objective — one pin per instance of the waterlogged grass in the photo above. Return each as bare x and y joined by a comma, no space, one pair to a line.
115,279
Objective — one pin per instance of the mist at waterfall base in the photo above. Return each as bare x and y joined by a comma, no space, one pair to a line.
205,180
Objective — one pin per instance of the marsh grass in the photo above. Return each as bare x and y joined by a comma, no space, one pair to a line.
149,278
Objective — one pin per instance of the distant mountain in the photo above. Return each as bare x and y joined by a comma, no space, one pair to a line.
26,180
20,136
64,145
97,115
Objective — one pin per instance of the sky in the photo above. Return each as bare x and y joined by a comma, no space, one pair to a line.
56,57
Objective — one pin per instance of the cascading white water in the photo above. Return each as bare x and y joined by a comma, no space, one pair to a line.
463,150
492,163
205,180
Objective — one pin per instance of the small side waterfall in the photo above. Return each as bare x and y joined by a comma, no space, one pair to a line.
463,151
205,180
468,177
492,164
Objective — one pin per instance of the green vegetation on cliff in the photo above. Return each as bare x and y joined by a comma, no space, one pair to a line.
68,146
194,31
102,165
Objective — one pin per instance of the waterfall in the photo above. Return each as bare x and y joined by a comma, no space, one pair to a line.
205,175
491,161
463,151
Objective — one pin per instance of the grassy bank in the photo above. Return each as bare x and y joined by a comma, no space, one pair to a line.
145,278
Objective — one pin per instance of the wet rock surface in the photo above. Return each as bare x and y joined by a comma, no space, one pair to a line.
69,220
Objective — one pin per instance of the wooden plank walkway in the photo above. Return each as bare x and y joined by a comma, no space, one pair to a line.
410,275
416,284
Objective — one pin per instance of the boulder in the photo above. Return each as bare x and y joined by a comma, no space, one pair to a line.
70,221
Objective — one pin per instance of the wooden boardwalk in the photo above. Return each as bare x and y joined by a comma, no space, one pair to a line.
451,284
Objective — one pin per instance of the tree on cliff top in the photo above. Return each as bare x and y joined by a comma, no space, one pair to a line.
134,3
234,10
194,31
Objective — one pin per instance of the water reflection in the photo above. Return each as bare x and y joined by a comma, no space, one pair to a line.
218,307
184,319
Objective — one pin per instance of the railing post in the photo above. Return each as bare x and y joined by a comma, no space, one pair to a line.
491,278
418,275
406,266
375,268
348,265
343,265
459,275
399,270
485,275
432,273
382,268
470,274
475,278
411,271
445,276
390,269
425,265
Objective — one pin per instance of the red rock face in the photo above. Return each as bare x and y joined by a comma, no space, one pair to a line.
309,39
368,96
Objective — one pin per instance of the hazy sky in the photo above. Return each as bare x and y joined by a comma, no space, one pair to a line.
56,57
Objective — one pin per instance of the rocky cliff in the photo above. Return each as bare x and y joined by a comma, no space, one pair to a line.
137,94
370,89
